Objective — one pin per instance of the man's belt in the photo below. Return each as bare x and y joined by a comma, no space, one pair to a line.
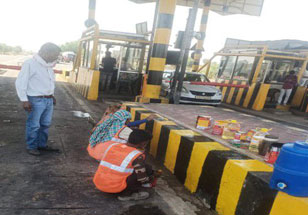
46,97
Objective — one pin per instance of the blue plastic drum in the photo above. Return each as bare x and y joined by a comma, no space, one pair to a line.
291,170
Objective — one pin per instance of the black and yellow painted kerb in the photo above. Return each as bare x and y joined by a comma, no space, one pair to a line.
142,99
159,52
231,183
251,97
300,99
87,83
254,96
203,25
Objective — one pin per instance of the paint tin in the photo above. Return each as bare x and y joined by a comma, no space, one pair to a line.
204,122
218,127
237,136
218,130
245,145
250,134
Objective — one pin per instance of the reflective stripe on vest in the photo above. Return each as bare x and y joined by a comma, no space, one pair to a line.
118,140
129,158
109,147
116,168
124,164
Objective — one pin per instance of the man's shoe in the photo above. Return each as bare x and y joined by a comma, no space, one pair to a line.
34,152
135,196
48,149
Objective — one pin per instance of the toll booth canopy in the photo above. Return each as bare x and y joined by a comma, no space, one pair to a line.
240,58
258,69
128,49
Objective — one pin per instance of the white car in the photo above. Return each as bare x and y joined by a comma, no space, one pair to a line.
193,93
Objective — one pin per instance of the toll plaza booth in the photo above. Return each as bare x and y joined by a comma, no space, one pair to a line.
129,51
251,74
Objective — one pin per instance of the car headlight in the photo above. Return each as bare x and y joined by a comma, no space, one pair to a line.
184,90
218,93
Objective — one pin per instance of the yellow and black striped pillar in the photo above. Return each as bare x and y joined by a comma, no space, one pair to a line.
92,7
203,25
160,48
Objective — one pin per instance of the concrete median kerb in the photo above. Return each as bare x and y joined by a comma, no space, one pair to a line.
228,181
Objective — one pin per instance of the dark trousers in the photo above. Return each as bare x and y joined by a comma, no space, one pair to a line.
133,185
106,81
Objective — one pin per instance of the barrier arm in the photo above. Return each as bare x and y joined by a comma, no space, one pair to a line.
2,66
219,84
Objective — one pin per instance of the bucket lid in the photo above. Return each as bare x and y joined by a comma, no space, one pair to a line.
271,138
301,145
297,147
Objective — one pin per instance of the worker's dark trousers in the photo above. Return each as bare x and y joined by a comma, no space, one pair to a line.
133,185
106,81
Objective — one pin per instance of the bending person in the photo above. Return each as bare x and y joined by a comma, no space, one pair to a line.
105,131
108,113
108,131
123,169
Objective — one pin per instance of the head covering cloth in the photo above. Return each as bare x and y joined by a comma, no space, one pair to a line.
108,129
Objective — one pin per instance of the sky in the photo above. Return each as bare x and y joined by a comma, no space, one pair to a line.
30,23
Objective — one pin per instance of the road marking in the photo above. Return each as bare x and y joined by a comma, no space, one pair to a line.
228,110
207,106
267,120
297,129
243,114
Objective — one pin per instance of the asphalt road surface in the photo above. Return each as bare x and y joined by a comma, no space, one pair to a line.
62,183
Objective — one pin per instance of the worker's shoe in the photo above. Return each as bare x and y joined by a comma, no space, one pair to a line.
135,196
48,149
34,152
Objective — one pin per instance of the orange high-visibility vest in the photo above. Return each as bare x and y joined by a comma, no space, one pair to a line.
98,150
115,166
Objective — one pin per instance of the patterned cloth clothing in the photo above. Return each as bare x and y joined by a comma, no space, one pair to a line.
106,131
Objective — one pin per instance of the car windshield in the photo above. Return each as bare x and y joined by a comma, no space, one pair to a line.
167,75
195,77
188,77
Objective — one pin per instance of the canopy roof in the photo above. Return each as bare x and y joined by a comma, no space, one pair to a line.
224,7
289,45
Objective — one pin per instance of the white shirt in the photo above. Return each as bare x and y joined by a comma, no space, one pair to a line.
36,78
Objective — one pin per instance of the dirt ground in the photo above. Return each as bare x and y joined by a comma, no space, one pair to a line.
62,183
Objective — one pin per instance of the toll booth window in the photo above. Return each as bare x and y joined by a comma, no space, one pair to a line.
279,71
90,50
84,54
266,68
226,67
130,59
243,68
167,75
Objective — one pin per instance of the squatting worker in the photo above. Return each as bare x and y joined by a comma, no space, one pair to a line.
123,169
35,86
289,84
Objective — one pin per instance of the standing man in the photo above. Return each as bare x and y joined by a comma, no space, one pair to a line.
35,86
108,64
290,82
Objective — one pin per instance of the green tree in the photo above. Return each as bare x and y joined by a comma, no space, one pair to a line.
5,49
213,70
70,47
17,49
